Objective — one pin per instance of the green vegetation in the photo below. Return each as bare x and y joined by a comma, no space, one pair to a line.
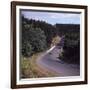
71,49
33,40
29,68
38,36
55,40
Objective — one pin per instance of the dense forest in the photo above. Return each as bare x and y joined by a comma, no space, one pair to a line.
71,47
37,36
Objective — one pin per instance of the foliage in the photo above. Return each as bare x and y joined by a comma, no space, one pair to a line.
55,40
64,29
49,30
33,39
29,68
38,35
27,49
71,49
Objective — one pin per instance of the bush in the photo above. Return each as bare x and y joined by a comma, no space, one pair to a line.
71,49
27,49
33,40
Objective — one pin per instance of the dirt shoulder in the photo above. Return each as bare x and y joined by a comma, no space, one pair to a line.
30,68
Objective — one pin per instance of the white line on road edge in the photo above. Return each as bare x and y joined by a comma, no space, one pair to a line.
50,49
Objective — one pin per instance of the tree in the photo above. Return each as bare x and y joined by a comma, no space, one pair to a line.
37,39
27,49
71,49
55,40
33,40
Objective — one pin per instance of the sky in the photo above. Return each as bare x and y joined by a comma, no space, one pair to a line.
53,17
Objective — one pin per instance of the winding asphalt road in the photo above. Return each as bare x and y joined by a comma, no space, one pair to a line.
50,61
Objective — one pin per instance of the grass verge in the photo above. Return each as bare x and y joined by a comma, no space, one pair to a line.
30,69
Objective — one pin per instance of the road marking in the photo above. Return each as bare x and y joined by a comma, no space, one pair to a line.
50,49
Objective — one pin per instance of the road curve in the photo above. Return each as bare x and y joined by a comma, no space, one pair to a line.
51,62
